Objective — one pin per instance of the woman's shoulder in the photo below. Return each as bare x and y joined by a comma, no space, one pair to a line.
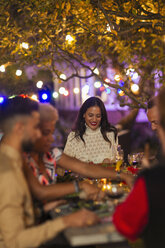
71,135
110,134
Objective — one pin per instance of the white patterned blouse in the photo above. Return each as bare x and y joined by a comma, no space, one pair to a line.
95,149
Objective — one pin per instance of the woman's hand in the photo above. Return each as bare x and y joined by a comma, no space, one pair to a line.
91,191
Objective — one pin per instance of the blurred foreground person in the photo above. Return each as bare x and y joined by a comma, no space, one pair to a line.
143,212
20,125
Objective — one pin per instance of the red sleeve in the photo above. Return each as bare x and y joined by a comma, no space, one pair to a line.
131,216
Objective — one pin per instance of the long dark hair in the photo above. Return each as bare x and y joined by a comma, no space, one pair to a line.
105,126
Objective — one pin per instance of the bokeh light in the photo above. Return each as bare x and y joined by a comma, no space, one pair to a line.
97,84
18,72
55,94
25,45
61,90
135,89
63,76
39,84
2,99
117,77
76,90
2,68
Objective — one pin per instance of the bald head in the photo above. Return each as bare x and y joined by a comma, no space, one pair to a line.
47,113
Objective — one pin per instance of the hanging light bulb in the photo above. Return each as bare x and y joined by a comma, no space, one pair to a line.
61,90
2,99
63,76
69,38
18,72
96,71
66,93
55,94
117,77
2,68
135,89
97,84
76,90
34,97
25,45
39,84
107,80
120,92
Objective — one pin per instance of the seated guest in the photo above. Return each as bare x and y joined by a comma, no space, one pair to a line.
142,214
40,159
93,138
20,125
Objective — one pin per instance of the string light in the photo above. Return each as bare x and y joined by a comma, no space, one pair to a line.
106,86
61,90
18,72
135,88
25,45
34,97
66,93
96,71
97,84
55,94
120,92
130,71
117,77
44,96
69,38
39,84
76,90
135,76
63,76
108,90
108,28
121,83
107,80
2,68
1,99
10,97
102,88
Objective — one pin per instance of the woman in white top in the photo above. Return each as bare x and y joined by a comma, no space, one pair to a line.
93,138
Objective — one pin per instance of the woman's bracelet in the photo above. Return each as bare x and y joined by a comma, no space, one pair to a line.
76,186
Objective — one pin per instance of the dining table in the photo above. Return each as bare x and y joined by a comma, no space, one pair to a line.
103,234
99,235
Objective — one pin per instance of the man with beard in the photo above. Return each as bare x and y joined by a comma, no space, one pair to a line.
152,115
20,125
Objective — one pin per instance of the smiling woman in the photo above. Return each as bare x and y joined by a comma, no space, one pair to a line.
43,159
93,138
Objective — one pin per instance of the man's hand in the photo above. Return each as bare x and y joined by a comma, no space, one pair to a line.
129,179
90,191
81,218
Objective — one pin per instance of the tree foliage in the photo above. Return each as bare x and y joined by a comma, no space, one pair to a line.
126,33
